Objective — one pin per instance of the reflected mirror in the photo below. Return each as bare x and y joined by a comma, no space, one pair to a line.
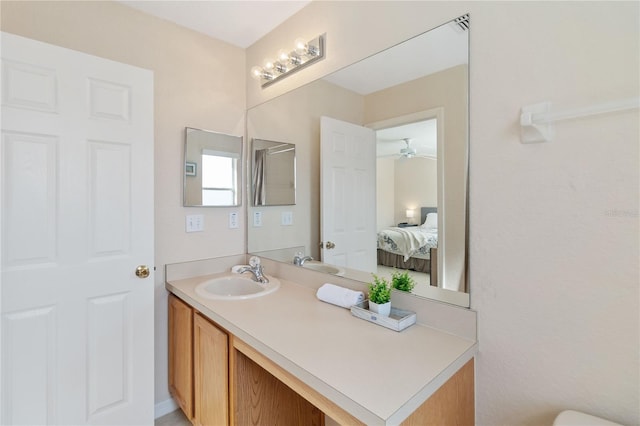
273,173
404,110
212,169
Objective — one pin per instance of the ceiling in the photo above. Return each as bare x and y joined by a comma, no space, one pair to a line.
239,22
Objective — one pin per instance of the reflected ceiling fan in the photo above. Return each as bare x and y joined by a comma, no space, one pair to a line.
409,152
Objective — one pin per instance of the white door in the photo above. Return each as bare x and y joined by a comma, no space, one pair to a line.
348,194
77,219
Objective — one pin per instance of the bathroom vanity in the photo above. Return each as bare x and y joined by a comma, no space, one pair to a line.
288,358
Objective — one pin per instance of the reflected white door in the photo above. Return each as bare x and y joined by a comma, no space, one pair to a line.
77,220
348,194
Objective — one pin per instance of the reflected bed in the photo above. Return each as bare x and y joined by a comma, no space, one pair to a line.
410,247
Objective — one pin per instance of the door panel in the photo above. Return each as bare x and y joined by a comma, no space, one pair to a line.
109,381
110,198
77,219
29,340
348,199
30,217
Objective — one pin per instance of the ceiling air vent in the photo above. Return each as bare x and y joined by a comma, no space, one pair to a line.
461,23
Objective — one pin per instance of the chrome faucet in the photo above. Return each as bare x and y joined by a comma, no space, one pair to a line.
299,259
256,269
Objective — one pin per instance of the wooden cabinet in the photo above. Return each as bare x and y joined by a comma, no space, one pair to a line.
180,354
198,365
210,368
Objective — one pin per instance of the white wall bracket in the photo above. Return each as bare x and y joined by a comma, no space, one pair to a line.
531,131
537,120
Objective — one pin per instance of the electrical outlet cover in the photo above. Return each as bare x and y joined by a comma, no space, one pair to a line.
257,219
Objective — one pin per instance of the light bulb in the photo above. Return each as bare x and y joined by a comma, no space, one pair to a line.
268,65
300,46
257,72
283,56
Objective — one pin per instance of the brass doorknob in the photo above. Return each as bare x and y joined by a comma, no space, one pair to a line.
330,245
142,271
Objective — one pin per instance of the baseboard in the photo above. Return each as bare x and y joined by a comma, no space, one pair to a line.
165,407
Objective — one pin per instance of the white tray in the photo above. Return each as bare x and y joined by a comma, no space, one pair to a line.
398,320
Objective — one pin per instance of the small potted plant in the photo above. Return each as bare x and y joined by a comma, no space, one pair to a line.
380,296
402,281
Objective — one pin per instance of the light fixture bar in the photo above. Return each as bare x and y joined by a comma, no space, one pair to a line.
288,62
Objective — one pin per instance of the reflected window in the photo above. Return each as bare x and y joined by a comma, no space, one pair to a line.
212,169
219,178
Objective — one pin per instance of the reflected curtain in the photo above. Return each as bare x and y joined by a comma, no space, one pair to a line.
259,170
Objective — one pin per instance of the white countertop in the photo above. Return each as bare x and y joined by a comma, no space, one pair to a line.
378,375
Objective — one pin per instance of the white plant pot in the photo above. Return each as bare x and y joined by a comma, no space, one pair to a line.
383,309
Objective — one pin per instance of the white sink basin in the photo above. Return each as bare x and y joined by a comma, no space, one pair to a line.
323,267
234,287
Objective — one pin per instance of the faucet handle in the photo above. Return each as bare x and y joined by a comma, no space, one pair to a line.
254,261
236,268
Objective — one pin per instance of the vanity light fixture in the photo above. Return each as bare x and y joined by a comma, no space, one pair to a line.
304,53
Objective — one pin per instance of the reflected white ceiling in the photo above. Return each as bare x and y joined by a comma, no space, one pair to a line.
414,58
237,22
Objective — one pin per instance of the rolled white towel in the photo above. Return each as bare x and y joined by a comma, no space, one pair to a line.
339,296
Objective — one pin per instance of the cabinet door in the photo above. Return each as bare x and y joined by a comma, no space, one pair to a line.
211,366
180,354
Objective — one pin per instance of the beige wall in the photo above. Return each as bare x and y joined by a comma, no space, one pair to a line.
416,185
295,118
554,250
404,184
197,83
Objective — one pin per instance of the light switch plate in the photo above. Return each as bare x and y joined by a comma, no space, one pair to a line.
233,220
286,218
194,223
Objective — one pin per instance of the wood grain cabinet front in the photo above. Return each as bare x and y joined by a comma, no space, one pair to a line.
198,365
211,378
180,354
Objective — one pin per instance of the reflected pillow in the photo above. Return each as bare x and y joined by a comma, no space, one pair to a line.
431,221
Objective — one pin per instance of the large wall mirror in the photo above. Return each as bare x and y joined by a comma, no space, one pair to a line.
382,154
212,169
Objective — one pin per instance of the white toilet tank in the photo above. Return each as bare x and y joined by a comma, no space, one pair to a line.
575,418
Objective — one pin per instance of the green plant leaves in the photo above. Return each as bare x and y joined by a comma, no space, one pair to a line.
379,290
402,281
